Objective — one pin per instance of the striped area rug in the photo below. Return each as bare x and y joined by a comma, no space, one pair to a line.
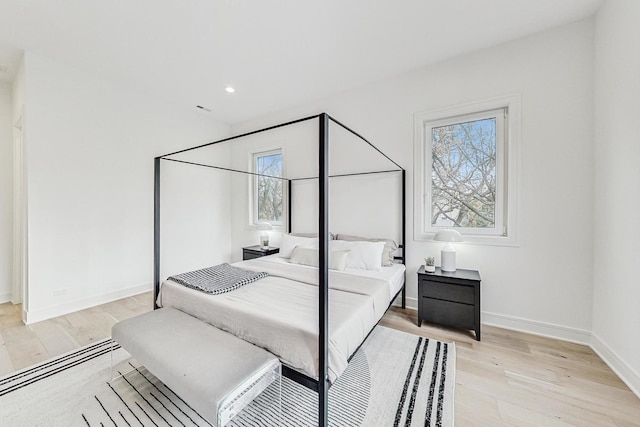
395,379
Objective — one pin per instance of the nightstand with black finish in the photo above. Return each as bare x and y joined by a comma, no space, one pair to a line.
256,251
450,298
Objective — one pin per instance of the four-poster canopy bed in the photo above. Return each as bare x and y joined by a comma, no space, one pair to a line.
370,298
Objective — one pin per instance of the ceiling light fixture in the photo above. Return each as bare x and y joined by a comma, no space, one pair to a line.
229,89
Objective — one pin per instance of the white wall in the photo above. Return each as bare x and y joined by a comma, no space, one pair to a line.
6,192
90,146
544,285
195,217
616,302
19,226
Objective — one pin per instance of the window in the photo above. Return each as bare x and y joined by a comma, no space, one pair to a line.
268,190
464,176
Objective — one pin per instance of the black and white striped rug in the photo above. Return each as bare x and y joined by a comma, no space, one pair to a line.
395,379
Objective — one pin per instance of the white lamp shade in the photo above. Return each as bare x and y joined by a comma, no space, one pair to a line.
447,236
448,253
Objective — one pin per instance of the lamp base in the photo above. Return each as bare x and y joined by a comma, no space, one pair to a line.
448,259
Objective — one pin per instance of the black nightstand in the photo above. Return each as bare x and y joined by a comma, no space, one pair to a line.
256,251
451,299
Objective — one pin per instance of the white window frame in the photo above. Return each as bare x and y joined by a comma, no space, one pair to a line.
253,194
507,162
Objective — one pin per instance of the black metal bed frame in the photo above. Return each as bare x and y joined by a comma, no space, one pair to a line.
322,384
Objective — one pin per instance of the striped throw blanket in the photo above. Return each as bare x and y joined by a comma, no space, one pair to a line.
218,279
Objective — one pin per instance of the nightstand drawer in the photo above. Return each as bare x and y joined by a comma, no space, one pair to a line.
448,313
251,255
256,251
448,292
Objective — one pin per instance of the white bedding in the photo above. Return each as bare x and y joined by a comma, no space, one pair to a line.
280,312
393,275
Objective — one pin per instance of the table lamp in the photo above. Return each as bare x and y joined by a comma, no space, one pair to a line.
448,253
265,227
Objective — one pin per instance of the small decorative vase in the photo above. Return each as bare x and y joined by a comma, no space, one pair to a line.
430,268
264,241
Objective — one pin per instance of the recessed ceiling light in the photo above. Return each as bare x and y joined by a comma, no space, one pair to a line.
229,89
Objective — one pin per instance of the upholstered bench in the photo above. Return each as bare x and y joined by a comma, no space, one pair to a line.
216,373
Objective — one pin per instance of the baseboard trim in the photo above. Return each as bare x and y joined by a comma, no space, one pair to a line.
534,327
33,316
411,303
5,297
626,373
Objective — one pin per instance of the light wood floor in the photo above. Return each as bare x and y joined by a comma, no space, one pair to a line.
508,379
22,346
516,379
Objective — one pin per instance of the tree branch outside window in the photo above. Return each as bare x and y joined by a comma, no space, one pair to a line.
269,189
463,174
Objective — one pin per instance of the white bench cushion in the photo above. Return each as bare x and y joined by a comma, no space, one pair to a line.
202,364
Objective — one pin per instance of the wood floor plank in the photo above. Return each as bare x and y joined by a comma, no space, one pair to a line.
517,415
472,401
6,367
55,339
8,308
145,299
125,309
602,390
476,418
581,402
75,325
26,353
87,326
624,423
15,334
564,404
507,361
10,315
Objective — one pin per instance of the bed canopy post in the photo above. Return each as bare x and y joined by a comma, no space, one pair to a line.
323,284
290,184
404,235
156,231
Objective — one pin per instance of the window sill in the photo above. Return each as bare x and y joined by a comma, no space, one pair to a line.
508,241
278,228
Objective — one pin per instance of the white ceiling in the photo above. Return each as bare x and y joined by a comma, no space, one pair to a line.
276,53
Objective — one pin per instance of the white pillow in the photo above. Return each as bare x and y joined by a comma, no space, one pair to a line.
337,259
389,246
309,256
289,242
363,255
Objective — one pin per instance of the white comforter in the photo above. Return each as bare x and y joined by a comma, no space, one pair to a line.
280,312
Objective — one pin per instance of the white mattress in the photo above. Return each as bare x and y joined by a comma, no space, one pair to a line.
280,312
